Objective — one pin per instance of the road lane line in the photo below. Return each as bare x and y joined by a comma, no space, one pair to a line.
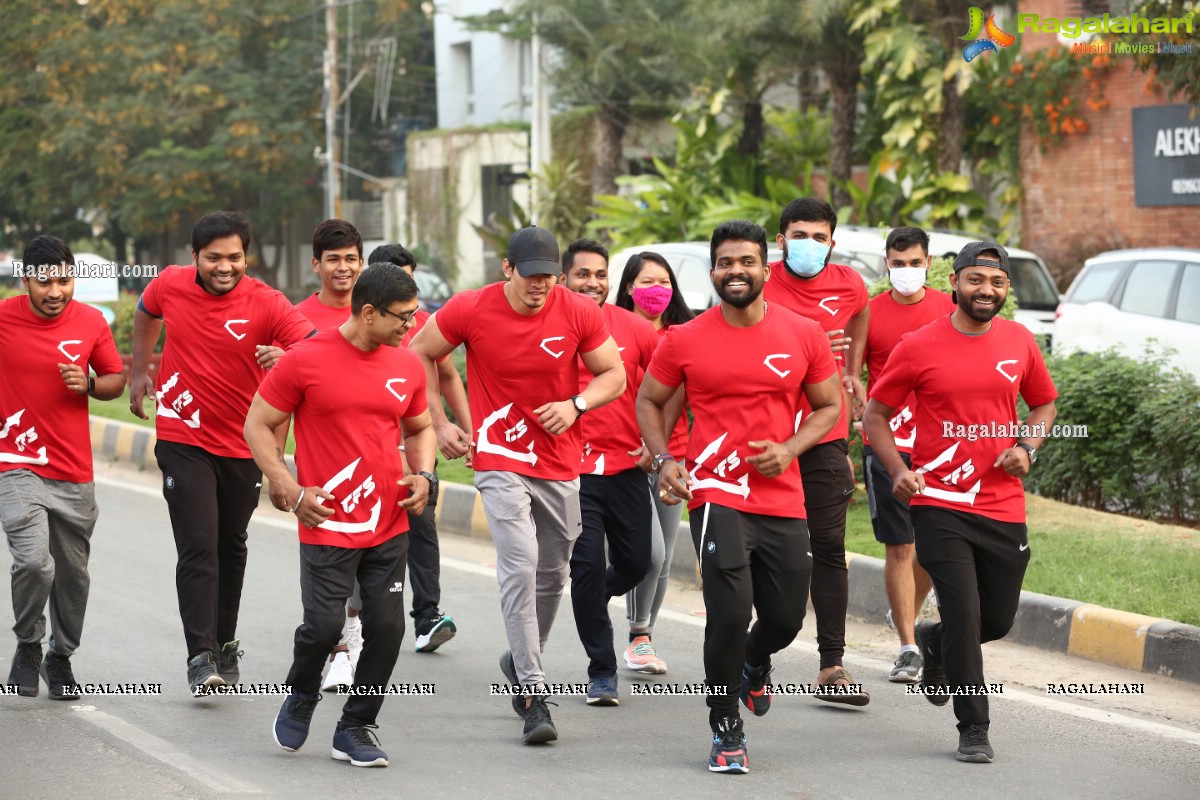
809,648
164,751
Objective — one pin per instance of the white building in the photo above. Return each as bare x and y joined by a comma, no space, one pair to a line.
483,78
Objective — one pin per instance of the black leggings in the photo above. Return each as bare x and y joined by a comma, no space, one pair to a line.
747,560
828,489
977,565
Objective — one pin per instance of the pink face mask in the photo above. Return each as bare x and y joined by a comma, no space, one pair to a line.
653,299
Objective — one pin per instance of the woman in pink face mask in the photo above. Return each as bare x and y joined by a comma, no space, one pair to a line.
648,289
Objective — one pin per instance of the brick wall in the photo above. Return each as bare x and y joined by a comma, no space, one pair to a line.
1078,198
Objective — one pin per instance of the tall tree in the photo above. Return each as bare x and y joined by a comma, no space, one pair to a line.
838,52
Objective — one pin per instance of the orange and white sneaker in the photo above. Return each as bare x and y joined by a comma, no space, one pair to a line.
640,656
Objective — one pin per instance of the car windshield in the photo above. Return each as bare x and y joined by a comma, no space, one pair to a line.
1033,288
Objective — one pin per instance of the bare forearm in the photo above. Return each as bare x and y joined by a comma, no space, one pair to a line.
109,387
813,429
876,424
455,394
1042,416
605,387
420,450
146,330
268,453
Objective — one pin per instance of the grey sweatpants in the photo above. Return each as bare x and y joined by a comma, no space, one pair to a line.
49,529
642,604
534,524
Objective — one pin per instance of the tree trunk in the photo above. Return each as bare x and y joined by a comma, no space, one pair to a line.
953,126
751,141
612,119
843,88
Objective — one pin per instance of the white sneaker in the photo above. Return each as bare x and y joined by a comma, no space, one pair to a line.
341,673
353,638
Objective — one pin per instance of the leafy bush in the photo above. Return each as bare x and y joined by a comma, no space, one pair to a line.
122,326
1141,455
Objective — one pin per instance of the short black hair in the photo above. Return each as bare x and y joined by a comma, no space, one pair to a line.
582,245
903,238
807,209
335,234
380,286
218,225
392,254
47,251
738,230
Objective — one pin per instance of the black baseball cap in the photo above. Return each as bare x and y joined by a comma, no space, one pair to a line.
534,251
969,256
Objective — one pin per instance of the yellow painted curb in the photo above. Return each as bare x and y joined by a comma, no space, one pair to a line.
1109,636
124,448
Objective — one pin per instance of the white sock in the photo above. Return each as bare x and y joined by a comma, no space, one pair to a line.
909,648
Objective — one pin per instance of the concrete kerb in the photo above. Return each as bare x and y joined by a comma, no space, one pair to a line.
1133,641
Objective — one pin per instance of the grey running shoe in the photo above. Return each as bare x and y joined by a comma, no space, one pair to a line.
227,662
60,680
539,728
24,673
907,668
202,674
974,747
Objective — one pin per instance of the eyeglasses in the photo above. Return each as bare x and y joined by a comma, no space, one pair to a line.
404,318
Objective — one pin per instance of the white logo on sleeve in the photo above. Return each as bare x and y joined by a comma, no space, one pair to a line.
741,488
22,440
238,336
485,445
832,311
775,369
397,395
1000,368
351,500
62,348
553,339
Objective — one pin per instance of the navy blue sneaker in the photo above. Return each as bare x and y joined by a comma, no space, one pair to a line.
728,753
603,691
291,724
358,745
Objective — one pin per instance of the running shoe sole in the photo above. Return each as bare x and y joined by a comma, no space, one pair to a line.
338,755
438,635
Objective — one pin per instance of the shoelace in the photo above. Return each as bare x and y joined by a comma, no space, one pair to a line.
27,658
757,684
364,735
976,735
60,672
302,709
644,649
541,703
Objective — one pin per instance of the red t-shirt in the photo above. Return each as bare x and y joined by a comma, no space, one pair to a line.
611,431
321,316
830,298
45,424
516,363
209,373
743,384
889,321
962,381
677,445
348,405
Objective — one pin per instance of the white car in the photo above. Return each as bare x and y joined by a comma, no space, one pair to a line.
1124,298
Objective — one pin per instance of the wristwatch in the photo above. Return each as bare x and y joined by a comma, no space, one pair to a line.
1028,448
91,385
660,459
579,403
433,481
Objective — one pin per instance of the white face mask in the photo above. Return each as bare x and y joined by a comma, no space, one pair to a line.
907,280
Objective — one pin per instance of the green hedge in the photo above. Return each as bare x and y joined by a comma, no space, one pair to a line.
1141,455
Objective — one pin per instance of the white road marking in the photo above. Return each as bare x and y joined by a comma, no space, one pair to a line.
213,777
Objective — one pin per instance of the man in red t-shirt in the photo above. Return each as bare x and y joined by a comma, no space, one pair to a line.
220,329
358,398
967,504
337,261
835,297
47,495
909,306
748,366
431,628
523,336
613,500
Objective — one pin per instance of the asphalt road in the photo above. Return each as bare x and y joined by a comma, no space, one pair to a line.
462,742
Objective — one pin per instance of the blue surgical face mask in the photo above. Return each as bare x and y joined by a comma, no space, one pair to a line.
805,257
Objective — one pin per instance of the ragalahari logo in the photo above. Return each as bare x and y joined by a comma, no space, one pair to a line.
993,35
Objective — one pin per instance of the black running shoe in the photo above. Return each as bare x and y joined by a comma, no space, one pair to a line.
60,680
973,746
433,632
933,676
756,688
202,674
24,673
227,662
509,668
728,752
539,728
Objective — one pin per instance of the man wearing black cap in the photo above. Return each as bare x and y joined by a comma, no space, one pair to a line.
524,337
965,493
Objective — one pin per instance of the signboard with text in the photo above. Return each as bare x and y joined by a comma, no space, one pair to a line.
1166,155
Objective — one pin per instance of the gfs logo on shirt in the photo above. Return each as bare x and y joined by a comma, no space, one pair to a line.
352,495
